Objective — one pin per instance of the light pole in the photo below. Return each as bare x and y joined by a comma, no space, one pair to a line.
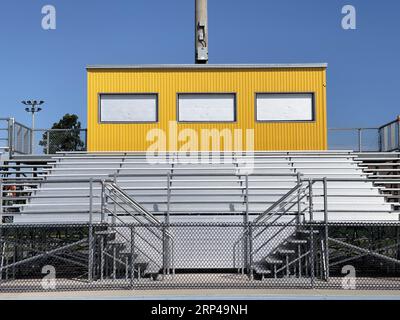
32,108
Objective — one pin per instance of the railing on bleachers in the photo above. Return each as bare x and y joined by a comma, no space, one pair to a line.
19,139
379,139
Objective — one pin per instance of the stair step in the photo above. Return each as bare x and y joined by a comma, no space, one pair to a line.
285,251
138,259
297,241
151,268
273,261
116,243
307,231
261,268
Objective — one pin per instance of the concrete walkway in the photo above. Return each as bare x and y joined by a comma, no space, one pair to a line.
257,294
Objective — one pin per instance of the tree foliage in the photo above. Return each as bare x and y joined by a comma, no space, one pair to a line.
65,136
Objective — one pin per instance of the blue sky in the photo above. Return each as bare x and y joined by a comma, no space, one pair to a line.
364,64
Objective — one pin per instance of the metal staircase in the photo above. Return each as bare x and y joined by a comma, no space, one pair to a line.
281,242
127,251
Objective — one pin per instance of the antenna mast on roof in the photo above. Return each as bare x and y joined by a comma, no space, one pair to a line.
201,32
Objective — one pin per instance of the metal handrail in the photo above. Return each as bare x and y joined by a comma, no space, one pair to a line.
279,215
133,203
269,211
116,216
290,223
123,196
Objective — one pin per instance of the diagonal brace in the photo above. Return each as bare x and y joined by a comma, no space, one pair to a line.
47,253
365,251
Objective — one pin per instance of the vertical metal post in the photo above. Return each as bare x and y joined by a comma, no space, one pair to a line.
398,242
398,133
2,254
102,258
48,141
11,128
90,265
311,209
247,198
326,219
299,257
103,191
132,255
246,223
102,237
167,222
250,249
33,133
2,244
113,221
1,203
310,200
91,201
114,266
298,199
114,217
359,139
173,257
168,197
126,268
164,250
312,262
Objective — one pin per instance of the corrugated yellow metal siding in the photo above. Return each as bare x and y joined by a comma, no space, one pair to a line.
244,82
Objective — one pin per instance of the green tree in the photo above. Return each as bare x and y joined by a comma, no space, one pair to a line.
66,137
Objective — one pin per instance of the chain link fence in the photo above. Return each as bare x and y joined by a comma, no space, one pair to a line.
51,141
199,255
19,139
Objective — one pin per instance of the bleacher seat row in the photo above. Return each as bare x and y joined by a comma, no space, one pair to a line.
202,192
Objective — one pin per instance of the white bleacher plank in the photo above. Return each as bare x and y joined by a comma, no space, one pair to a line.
211,193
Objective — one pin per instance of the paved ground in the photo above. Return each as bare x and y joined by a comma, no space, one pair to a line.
258,294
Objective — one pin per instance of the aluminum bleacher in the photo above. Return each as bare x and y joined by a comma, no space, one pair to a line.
284,195
203,188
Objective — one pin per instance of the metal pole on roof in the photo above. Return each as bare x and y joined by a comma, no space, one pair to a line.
201,32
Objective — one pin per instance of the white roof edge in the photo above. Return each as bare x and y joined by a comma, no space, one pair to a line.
210,66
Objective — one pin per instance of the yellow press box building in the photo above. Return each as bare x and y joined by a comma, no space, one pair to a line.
284,106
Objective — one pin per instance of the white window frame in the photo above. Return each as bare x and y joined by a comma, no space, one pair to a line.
100,95
313,111
233,94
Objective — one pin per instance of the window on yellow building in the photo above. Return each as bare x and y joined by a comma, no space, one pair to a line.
285,107
129,108
206,107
